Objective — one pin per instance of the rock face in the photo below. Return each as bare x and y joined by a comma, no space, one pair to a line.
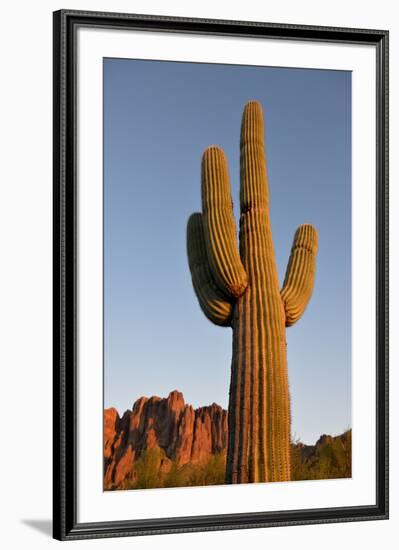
186,435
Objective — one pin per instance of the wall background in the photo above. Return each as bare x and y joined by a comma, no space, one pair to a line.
25,274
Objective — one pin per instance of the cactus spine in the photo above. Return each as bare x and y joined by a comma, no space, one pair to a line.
240,288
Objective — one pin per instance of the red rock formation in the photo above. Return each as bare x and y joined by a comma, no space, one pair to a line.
185,434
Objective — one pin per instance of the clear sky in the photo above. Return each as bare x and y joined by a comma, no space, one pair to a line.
158,119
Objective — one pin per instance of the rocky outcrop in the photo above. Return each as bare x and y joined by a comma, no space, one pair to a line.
186,435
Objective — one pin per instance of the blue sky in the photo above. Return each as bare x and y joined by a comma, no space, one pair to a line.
158,119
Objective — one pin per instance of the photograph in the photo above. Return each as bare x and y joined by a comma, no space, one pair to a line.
227,273
195,283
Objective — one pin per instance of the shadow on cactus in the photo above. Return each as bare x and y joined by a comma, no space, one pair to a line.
239,287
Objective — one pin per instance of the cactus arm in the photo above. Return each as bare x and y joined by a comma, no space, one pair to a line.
300,275
214,305
219,225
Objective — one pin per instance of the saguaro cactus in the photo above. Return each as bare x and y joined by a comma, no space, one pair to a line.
240,288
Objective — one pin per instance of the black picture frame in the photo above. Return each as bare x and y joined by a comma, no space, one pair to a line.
66,527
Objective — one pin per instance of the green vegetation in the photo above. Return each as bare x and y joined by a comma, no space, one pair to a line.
194,475
153,469
147,468
330,458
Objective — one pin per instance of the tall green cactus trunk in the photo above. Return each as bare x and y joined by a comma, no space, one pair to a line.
241,289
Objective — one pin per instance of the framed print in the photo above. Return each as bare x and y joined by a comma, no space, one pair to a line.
220,274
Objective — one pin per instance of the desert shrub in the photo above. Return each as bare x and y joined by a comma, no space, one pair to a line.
191,475
175,477
215,470
146,472
147,468
328,459
210,473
